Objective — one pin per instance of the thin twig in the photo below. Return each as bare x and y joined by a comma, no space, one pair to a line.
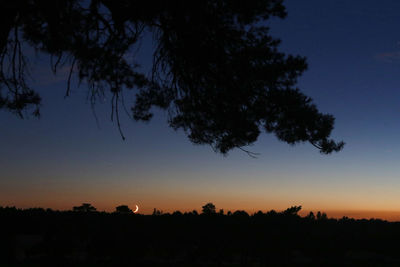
54,66
251,154
112,107
92,105
117,115
317,146
69,78
123,105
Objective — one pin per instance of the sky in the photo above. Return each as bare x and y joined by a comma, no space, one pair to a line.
66,158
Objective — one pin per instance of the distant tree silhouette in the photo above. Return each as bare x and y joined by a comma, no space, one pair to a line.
311,216
215,69
85,207
240,213
292,211
123,209
345,218
157,212
258,213
321,216
208,209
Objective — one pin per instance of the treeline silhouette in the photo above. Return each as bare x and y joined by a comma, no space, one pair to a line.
86,237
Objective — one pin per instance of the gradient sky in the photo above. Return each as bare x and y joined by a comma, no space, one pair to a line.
353,51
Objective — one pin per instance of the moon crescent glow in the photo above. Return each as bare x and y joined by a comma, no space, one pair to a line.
136,210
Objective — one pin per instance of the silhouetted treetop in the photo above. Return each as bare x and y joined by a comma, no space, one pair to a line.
208,209
123,209
292,211
85,207
216,69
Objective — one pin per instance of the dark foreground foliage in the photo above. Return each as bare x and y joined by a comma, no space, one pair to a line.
215,69
38,237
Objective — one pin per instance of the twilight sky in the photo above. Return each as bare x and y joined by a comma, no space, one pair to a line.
353,51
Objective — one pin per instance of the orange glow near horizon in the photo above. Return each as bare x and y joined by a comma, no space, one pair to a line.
347,198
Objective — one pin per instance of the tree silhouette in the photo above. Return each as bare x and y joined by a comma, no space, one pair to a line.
240,213
321,216
157,212
215,69
208,209
311,216
194,212
85,207
123,209
292,211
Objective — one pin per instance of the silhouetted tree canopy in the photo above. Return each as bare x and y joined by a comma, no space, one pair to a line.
292,211
311,216
123,209
157,212
321,216
208,209
85,207
216,69
240,213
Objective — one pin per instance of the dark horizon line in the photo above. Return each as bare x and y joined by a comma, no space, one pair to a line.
194,212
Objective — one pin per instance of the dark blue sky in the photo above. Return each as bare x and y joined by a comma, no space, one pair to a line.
353,51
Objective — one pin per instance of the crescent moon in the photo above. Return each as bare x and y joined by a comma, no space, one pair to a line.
137,208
